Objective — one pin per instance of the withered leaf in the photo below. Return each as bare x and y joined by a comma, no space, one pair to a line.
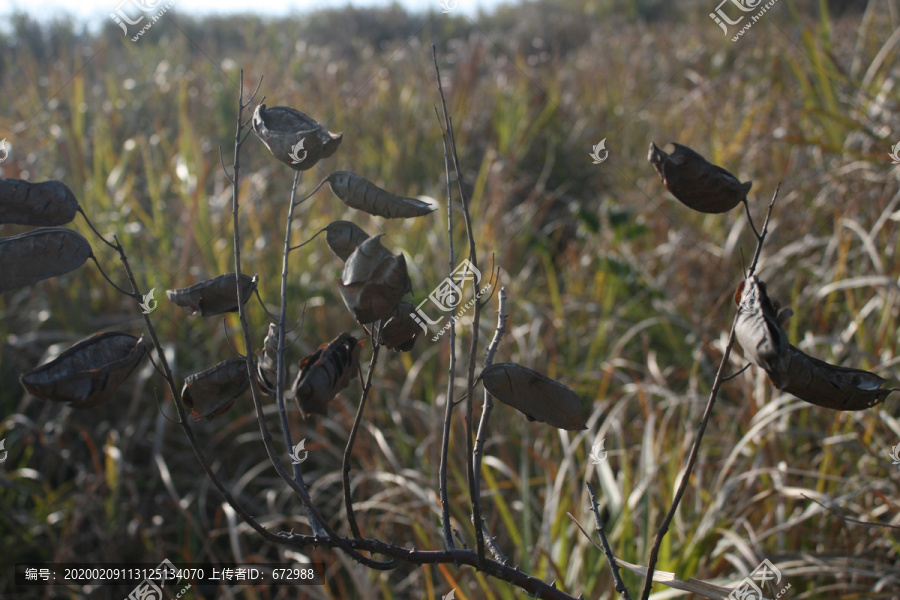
213,296
31,257
325,373
831,386
399,329
88,373
267,362
538,397
358,192
46,204
343,237
294,137
211,392
758,330
374,281
696,183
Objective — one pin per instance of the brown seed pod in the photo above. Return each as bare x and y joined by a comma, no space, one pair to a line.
294,137
538,397
696,183
45,204
325,373
213,296
343,237
374,281
759,332
831,386
399,329
88,373
358,192
211,392
31,257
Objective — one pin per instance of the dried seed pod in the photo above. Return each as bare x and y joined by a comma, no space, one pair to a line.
831,386
538,397
266,368
759,331
213,296
88,373
211,392
45,204
294,137
399,329
697,183
31,257
374,281
325,373
343,237
358,192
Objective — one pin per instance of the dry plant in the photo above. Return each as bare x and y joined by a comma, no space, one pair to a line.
373,284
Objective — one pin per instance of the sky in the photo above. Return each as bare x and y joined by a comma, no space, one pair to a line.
93,10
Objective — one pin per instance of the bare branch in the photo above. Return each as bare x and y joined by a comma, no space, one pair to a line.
695,447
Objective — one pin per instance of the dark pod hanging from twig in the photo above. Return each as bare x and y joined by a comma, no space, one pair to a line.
358,192
46,204
538,397
697,183
213,296
374,281
759,332
399,330
37,255
326,372
832,386
211,392
294,137
88,373
343,237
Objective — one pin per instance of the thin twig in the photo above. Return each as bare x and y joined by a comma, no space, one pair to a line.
620,585
476,319
451,382
348,450
695,447
488,404
851,519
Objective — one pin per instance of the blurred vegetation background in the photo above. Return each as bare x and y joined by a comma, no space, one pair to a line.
614,288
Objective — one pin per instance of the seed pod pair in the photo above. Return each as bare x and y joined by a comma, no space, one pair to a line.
759,332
